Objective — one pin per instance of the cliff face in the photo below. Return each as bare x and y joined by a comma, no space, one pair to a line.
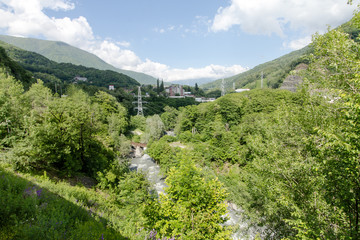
292,81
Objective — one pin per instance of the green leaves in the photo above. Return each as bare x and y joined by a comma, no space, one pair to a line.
191,208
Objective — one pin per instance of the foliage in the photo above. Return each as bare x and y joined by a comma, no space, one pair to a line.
154,129
63,53
290,160
66,72
14,69
274,72
30,211
169,117
68,134
156,105
162,153
191,208
138,122
335,69
11,110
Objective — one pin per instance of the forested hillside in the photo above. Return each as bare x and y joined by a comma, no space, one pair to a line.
14,69
51,72
61,52
274,72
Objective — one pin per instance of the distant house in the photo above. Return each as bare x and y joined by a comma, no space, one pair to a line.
204,100
242,90
80,79
111,87
175,90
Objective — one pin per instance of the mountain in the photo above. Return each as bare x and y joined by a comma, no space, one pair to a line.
53,73
191,82
64,53
273,72
276,72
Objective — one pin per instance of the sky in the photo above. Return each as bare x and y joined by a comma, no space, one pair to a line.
177,39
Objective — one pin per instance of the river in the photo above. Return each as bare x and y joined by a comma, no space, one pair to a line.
236,217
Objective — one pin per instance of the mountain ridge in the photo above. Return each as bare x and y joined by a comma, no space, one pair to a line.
274,72
62,52
52,73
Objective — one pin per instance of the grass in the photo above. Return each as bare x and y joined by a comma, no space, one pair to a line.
36,207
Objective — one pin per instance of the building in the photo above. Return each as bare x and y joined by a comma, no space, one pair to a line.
111,87
175,90
80,79
242,90
204,100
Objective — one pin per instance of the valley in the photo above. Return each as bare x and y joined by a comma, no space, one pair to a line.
278,161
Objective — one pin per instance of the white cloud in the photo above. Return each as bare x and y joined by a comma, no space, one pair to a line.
276,16
58,4
298,43
27,18
166,73
124,44
111,53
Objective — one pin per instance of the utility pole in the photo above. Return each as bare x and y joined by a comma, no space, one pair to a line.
262,79
223,87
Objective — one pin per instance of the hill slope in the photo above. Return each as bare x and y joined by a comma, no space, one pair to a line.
64,53
13,68
274,72
52,72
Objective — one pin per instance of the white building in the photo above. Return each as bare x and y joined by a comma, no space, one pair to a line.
239,90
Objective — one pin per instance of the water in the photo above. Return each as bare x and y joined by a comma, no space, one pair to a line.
147,165
236,216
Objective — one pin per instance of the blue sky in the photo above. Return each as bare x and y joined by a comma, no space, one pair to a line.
177,40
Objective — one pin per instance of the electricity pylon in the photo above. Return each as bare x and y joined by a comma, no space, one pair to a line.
223,87
140,108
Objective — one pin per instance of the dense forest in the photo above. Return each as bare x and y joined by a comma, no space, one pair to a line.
289,160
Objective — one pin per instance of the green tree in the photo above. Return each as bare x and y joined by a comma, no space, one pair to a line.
162,88
154,128
157,86
138,122
11,109
335,69
169,117
191,208
196,88
61,134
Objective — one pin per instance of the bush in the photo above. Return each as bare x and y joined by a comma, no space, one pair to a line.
162,153
138,122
